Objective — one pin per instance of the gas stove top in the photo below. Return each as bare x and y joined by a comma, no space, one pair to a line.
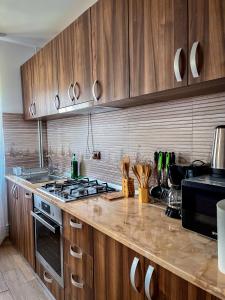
76,189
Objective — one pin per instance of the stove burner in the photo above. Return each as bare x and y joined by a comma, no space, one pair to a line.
75,189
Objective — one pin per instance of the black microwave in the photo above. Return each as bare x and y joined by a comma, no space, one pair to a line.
199,198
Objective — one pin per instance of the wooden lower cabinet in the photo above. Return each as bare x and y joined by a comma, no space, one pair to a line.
78,259
21,231
56,290
120,273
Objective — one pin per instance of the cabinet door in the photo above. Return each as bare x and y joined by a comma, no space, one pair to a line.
39,84
65,55
110,50
113,268
56,290
13,233
157,30
82,60
51,90
206,39
27,207
164,285
27,88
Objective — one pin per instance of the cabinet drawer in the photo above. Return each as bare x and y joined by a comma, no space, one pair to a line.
79,233
56,290
76,288
79,262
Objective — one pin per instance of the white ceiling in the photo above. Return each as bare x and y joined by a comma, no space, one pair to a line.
34,22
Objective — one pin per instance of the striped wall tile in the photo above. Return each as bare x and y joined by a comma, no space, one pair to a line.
185,126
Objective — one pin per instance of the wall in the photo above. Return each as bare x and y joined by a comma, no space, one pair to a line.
184,126
12,56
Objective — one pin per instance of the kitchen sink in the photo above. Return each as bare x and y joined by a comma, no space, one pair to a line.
41,178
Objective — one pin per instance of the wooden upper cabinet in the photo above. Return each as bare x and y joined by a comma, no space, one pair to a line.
206,40
27,88
39,104
51,83
157,30
65,55
110,50
82,60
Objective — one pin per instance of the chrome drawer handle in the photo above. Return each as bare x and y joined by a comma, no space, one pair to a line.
79,285
176,65
96,98
30,110
34,109
49,280
193,63
75,96
148,278
57,102
75,225
133,272
69,92
76,254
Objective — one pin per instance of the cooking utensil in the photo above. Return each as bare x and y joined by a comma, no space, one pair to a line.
157,190
125,166
143,174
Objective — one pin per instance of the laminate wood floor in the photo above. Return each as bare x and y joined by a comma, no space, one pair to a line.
17,279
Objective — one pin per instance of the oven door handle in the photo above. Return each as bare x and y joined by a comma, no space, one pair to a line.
42,221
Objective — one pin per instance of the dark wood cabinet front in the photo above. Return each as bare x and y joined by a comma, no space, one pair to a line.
206,40
158,45
65,54
110,50
21,231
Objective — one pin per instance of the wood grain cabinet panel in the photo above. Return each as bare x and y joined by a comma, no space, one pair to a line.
56,290
112,267
65,54
28,227
21,230
109,20
82,59
165,285
207,26
78,233
27,88
157,29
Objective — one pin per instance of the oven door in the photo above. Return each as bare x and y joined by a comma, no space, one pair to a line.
48,241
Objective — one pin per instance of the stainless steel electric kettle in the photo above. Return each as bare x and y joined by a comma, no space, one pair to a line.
218,152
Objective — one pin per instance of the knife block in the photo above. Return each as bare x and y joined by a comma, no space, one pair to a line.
143,195
128,187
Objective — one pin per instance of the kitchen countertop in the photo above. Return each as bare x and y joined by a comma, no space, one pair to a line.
145,229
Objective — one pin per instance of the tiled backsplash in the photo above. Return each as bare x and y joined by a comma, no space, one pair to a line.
21,141
185,127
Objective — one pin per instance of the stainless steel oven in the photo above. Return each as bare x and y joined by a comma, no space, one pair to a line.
48,237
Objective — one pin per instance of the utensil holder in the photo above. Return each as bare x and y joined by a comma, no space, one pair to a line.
143,195
128,187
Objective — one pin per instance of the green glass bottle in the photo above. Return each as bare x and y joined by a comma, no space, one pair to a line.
74,167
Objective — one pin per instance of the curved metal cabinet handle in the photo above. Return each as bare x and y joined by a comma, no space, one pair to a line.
75,96
57,102
193,63
49,280
76,254
79,285
13,191
69,92
96,98
75,225
176,66
133,272
30,110
148,278
34,109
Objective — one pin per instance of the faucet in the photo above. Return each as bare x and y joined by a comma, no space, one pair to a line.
51,167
